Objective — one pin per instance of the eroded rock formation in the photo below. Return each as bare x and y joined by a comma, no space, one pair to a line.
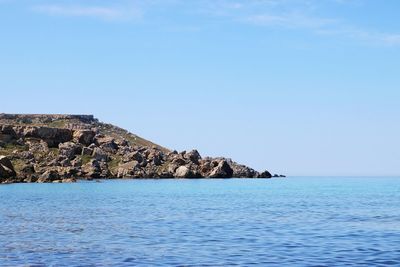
63,148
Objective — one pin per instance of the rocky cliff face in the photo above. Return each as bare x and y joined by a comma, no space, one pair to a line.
62,148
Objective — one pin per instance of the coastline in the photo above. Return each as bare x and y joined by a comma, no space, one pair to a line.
65,148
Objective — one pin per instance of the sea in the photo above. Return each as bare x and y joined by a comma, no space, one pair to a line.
294,221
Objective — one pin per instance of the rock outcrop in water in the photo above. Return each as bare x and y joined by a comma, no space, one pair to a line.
63,148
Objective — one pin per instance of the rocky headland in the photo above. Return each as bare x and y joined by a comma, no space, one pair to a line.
64,148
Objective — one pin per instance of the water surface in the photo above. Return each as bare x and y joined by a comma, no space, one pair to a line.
299,221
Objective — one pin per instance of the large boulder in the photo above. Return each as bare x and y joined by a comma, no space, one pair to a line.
27,170
52,136
69,150
92,169
133,156
187,172
193,156
127,170
7,133
38,147
242,171
68,172
84,137
182,172
156,157
6,168
222,170
265,174
106,142
205,167
87,151
8,130
96,169
48,176
100,155
176,159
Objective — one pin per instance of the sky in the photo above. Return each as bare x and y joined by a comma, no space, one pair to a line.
299,87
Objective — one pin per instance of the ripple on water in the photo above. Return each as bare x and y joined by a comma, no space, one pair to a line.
286,222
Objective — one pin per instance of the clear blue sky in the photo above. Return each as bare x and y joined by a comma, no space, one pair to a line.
302,87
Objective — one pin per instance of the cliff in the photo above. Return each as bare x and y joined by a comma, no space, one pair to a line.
63,148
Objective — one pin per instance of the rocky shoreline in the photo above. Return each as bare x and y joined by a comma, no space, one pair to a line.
64,148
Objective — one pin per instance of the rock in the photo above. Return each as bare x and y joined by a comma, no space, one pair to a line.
242,171
69,150
92,169
106,142
92,146
96,169
121,143
68,172
171,168
100,155
165,174
127,170
133,156
48,176
86,151
6,168
68,180
143,163
31,179
27,170
26,155
222,170
187,172
205,167
52,136
179,161
49,154
182,172
8,130
193,156
76,163
84,137
265,174
155,157
38,147
20,142
64,163
7,134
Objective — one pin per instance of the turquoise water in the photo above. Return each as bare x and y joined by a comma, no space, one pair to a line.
239,222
